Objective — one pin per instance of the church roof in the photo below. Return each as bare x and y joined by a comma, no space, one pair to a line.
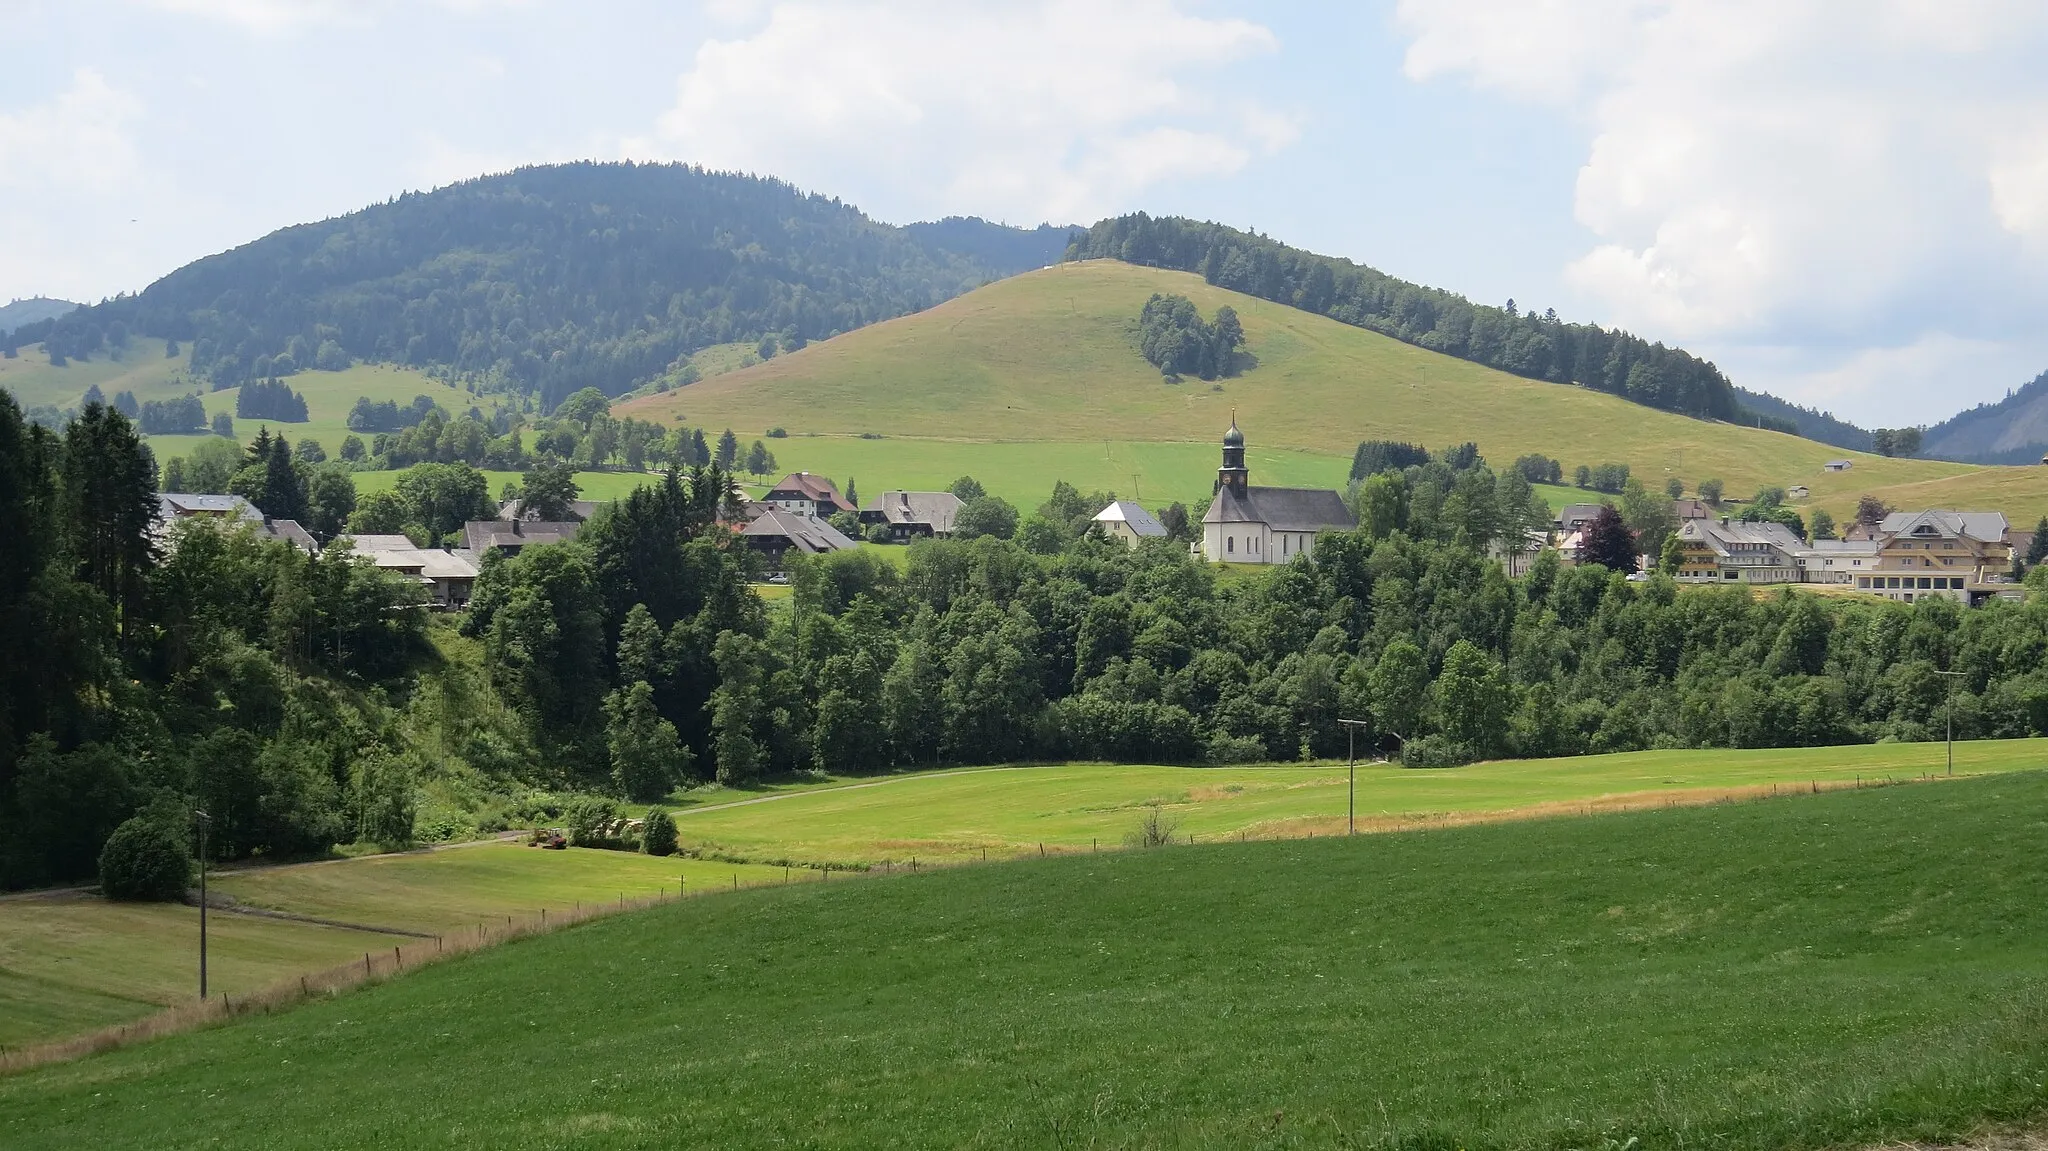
1233,438
1282,509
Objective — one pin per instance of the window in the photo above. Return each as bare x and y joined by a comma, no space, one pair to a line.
1925,582
1731,575
1230,545
1863,581
1856,563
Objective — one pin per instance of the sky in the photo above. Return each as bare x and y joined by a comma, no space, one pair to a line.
1843,202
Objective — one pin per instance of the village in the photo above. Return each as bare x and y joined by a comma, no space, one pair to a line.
1966,556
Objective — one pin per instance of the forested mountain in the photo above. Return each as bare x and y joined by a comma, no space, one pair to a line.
552,279
2012,431
1811,422
1005,248
1539,347
18,313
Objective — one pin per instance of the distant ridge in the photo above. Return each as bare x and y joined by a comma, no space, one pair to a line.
553,278
1812,423
2013,430
36,309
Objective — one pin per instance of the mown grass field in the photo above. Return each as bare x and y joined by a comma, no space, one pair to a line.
1848,969
1011,811
71,962
1048,358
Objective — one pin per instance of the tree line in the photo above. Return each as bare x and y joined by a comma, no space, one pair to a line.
1526,344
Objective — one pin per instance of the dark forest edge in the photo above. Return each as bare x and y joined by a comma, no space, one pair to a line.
307,701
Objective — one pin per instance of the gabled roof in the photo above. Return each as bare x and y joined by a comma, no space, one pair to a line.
1984,527
1691,509
1282,509
1136,518
808,534
1572,515
811,487
366,544
1720,535
481,536
935,510
170,504
1839,465
290,532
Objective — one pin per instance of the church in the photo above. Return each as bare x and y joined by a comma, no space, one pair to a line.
1249,525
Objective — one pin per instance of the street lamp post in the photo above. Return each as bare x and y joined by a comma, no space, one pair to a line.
1949,711
204,820
1351,727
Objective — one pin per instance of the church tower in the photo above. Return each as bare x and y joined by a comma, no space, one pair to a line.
1233,474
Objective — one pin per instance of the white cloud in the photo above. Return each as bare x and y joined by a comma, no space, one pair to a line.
287,17
79,142
69,167
1866,177
1029,109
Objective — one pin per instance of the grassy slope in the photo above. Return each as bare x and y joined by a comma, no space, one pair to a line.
1048,356
1839,970
144,370
1013,810
69,963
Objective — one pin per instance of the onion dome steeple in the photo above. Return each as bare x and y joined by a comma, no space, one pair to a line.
1233,474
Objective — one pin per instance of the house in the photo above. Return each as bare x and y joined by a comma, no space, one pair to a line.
1960,555
1516,562
1246,524
1735,551
1837,465
911,514
1797,492
579,510
480,536
187,505
807,495
1686,509
449,576
775,532
1839,561
1572,517
1126,521
174,506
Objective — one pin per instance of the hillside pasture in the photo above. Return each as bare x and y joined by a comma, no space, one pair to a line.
71,961
1050,357
1850,969
1016,811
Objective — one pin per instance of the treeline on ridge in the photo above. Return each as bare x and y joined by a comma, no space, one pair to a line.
548,280
1537,346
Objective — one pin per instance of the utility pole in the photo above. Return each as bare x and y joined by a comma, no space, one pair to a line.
204,821
1351,727
1950,709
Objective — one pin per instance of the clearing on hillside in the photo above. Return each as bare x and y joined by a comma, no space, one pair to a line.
1846,969
1052,356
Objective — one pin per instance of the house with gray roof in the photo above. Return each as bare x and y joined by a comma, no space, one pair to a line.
480,536
448,575
1258,525
172,507
1127,521
909,515
774,533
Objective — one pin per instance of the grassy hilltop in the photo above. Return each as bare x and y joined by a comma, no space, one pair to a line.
1040,374
1837,970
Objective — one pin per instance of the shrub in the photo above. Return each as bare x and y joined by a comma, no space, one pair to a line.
590,821
1435,751
145,859
1155,830
1227,748
658,833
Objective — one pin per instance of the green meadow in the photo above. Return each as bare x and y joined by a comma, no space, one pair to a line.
70,962
1047,362
1014,811
1848,969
